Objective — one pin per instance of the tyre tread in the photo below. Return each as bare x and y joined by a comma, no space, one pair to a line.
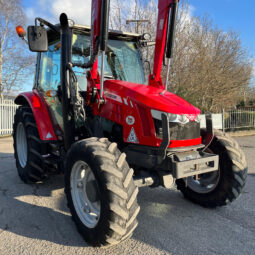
235,177
33,172
120,187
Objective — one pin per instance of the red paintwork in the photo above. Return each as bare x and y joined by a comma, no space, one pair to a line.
163,11
143,98
140,99
127,104
153,98
41,114
95,29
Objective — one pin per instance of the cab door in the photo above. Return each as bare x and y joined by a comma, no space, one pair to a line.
49,80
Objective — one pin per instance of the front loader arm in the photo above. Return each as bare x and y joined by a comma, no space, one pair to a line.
164,9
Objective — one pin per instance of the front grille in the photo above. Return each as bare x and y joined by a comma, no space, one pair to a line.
178,131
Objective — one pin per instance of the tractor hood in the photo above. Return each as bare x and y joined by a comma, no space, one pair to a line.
150,96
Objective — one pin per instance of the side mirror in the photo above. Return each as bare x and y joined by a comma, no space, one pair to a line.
37,38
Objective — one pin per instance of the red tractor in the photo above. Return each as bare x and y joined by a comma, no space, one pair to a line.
92,116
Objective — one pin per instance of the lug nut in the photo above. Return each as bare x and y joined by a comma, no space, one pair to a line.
79,185
86,210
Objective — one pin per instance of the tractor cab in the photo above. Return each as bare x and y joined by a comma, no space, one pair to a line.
123,61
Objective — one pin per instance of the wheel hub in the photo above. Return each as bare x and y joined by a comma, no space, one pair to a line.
205,183
21,144
84,191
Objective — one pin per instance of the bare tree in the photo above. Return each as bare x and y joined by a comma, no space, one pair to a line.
133,10
15,59
210,69
138,10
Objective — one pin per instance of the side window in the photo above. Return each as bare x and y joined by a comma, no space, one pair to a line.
49,74
80,54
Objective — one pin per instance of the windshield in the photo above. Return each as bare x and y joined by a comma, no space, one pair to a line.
122,60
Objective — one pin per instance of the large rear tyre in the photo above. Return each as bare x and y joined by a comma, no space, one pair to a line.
27,146
221,187
100,192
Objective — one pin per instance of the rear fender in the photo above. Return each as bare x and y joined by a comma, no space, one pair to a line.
40,112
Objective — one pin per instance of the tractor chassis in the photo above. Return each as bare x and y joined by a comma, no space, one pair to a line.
163,165
154,171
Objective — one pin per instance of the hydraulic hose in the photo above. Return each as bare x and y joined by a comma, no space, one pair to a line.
92,58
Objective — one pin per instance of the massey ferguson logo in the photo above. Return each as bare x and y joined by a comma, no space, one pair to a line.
130,120
191,117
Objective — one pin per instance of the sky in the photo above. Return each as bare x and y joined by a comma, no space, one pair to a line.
235,15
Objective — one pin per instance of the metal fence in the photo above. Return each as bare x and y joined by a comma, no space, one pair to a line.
227,120
239,119
232,120
7,112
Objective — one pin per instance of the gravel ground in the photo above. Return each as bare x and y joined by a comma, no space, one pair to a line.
34,219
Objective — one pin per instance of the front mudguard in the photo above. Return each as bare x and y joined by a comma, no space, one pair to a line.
40,112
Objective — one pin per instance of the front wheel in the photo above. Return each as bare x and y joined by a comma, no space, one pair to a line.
223,186
100,191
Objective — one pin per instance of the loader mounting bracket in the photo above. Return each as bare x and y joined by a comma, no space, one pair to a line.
207,135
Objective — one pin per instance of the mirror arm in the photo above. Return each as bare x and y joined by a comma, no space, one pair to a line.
45,22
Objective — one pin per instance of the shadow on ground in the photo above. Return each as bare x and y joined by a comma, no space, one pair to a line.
166,220
5,155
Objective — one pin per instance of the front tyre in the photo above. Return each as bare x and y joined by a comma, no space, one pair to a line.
223,186
100,192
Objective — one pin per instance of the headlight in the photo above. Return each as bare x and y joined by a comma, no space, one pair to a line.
197,119
173,117
183,119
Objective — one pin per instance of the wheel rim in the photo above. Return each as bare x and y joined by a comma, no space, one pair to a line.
205,183
84,191
21,144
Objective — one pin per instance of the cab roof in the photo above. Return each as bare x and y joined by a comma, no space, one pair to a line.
115,33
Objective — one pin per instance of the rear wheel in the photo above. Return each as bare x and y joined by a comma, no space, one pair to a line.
100,192
223,186
27,146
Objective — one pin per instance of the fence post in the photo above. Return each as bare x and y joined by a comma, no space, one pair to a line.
223,120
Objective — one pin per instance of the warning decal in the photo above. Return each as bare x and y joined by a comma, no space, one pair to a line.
132,138
48,136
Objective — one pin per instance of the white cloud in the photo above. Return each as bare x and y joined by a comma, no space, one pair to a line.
77,10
